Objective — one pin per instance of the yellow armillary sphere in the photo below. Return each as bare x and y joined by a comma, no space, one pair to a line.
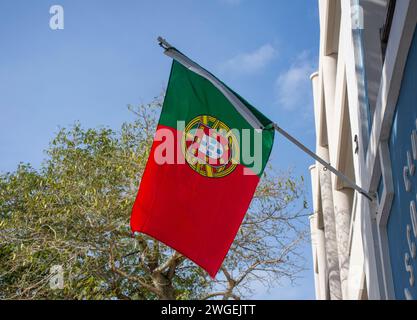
210,147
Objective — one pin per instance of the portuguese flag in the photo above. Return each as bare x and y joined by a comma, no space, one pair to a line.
209,152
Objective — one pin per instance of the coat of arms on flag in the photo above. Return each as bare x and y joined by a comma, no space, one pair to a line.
210,147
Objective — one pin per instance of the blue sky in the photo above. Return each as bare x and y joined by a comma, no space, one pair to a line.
107,57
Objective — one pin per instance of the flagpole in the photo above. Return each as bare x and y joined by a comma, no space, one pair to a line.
326,165
164,44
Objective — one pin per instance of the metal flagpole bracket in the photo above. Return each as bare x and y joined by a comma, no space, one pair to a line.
163,43
327,166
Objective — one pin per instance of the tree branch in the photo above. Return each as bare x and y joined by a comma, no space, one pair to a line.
172,261
128,276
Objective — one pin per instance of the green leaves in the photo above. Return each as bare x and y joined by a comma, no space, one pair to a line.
69,211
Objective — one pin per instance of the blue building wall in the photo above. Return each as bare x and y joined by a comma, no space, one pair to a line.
400,142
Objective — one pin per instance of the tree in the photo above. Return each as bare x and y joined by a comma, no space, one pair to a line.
74,212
